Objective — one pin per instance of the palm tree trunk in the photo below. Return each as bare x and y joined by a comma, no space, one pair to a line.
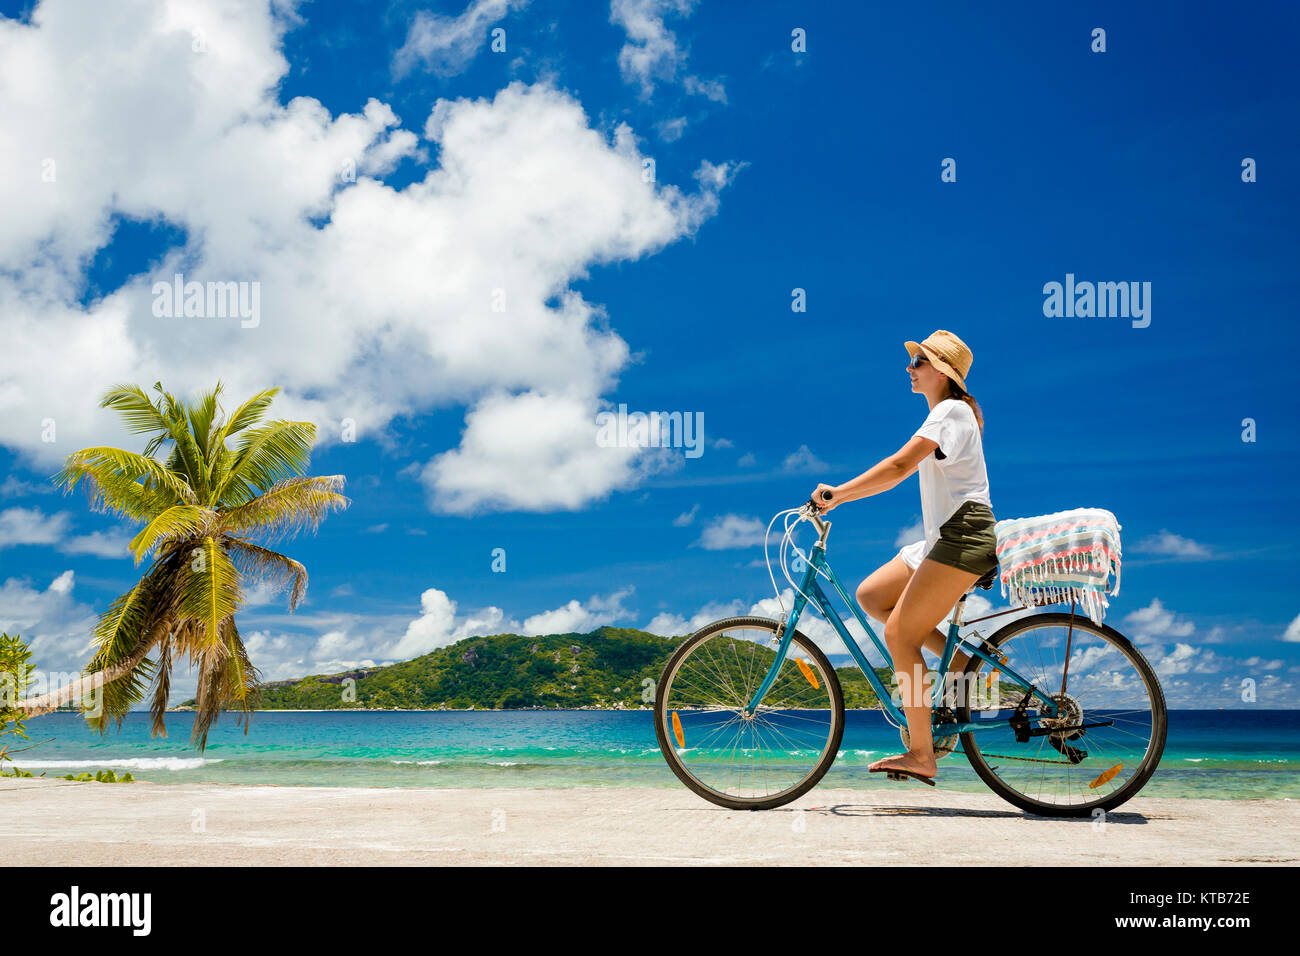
47,703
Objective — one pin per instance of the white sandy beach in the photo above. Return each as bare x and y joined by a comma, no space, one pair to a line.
61,822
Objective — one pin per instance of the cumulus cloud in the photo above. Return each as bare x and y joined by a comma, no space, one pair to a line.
731,531
56,626
1292,632
32,526
577,617
652,53
437,626
446,44
13,487
668,624
803,460
1168,543
454,291
1156,621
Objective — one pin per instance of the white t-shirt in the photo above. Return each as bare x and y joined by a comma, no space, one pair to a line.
945,483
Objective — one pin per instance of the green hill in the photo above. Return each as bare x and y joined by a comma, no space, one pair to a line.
611,667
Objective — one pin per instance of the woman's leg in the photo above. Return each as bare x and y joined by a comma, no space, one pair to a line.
931,593
879,594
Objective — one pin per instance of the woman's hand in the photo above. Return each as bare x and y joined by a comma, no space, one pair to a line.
822,505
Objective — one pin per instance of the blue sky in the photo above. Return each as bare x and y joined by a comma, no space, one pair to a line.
1116,166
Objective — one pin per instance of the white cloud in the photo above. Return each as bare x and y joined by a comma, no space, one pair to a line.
438,626
803,460
1166,542
575,617
446,44
1155,621
652,53
394,288
686,517
913,532
31,526
1188,659
1292,632
732,531
710,89
671,130
13,487
98,543
531,452
667,624
56,626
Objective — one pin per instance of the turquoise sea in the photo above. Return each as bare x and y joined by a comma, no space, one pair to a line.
1223,754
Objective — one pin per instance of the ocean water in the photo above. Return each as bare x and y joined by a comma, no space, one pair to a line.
1222,754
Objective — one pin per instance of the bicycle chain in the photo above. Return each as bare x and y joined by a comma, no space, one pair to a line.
1063,763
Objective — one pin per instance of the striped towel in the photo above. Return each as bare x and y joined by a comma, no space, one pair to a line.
1069,555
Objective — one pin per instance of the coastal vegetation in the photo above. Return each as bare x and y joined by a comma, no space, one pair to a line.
15,660
610,667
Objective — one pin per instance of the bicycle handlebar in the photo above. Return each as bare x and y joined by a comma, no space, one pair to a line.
813,513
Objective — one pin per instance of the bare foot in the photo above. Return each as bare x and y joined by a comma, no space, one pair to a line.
912,762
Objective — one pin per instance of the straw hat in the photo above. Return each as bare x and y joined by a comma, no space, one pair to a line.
947,353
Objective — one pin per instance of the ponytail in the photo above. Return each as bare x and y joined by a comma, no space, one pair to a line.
956,391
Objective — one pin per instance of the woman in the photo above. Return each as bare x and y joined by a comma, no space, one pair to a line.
922,583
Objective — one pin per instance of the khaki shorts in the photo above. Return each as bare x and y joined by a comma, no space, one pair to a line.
966,540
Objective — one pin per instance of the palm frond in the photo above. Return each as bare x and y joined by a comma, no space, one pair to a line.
193,465
287,508
208,589
178,521
140,415
202,413
212,690
118,696
261,564
110,467
160,691
271,453
113,493
249,413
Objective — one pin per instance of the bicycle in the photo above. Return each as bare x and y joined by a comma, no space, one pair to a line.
749,712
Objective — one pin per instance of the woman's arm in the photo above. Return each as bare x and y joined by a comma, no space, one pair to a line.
879,477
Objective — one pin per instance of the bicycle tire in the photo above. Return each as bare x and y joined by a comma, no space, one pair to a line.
726,800
1159,722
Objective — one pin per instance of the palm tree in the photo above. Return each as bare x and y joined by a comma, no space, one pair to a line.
200,510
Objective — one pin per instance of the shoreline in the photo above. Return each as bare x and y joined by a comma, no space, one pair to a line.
62,823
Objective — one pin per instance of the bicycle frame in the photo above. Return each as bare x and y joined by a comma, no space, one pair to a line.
811,589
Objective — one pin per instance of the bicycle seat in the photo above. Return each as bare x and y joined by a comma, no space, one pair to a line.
986,582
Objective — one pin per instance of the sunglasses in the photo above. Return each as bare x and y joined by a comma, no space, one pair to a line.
917,359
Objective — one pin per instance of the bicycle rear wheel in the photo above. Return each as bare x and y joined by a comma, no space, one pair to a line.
763,761
1070,772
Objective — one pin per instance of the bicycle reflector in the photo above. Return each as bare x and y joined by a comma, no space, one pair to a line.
1106,776
807,673
677,731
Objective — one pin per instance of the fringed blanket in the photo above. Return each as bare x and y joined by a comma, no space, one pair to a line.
1069,555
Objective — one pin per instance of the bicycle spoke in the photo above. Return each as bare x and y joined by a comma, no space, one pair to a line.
761,755
1101,676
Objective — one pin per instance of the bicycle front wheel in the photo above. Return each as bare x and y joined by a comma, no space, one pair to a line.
1102,685
769,758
